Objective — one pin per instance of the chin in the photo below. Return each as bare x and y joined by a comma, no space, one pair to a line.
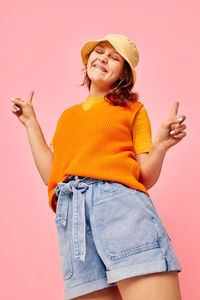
96,79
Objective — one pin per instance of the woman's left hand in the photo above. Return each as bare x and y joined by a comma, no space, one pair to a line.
171,131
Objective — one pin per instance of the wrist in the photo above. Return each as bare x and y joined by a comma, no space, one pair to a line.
30,123
159,146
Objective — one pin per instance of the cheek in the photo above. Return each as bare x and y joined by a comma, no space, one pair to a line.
92,57
89,62
116,69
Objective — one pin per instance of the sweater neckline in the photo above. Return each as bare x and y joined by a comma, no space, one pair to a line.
100,100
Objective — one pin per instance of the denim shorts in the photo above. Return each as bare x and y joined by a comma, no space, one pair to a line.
107,232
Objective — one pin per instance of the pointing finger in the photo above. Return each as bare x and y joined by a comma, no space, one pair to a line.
174,110
30,96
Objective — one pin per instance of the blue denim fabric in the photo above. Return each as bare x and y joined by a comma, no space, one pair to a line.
107,232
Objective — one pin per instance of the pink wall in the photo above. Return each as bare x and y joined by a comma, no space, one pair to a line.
40,51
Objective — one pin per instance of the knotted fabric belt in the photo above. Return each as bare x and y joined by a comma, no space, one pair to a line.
63,191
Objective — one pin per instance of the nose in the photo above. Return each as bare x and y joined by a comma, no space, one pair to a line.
103,59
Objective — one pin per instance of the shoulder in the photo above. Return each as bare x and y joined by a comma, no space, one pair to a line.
141,120
142,112
135,106
66,112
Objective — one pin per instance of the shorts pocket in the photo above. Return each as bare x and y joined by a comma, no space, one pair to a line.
150,206
124,225
107,187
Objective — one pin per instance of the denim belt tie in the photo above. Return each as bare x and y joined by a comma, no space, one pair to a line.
64,190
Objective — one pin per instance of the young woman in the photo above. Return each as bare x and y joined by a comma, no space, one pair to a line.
101,162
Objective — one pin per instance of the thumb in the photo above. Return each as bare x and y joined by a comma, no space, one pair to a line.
30,97
174,110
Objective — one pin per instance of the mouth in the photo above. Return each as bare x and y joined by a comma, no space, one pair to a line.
99,67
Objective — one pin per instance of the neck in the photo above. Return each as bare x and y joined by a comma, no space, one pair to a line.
97,92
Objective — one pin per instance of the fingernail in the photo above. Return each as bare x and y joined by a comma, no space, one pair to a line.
180,119
172,132
13,99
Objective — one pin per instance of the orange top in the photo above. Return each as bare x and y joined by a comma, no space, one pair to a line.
100,142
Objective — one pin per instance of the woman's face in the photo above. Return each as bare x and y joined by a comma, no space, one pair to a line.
104,56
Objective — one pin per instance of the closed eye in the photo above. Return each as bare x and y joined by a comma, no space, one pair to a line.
101,52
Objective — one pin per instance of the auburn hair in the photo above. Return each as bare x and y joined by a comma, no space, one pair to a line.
120,93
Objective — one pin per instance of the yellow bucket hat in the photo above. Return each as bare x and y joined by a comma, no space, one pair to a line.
126,48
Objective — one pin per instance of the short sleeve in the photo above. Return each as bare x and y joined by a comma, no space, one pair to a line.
141,132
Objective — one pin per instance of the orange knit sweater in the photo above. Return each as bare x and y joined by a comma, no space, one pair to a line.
97,143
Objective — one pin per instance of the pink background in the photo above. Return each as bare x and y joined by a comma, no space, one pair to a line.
40,51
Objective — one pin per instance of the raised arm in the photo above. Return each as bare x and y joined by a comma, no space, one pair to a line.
169,134
42,153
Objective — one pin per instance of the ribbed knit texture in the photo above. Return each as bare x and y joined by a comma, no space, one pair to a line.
96,143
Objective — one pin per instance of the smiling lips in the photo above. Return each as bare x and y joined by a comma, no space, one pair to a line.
102,68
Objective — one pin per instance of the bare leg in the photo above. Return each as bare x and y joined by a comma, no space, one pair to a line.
155,286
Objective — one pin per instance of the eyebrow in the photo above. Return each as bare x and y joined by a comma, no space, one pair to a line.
104,48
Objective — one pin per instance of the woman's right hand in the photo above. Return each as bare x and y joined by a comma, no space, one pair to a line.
23,109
